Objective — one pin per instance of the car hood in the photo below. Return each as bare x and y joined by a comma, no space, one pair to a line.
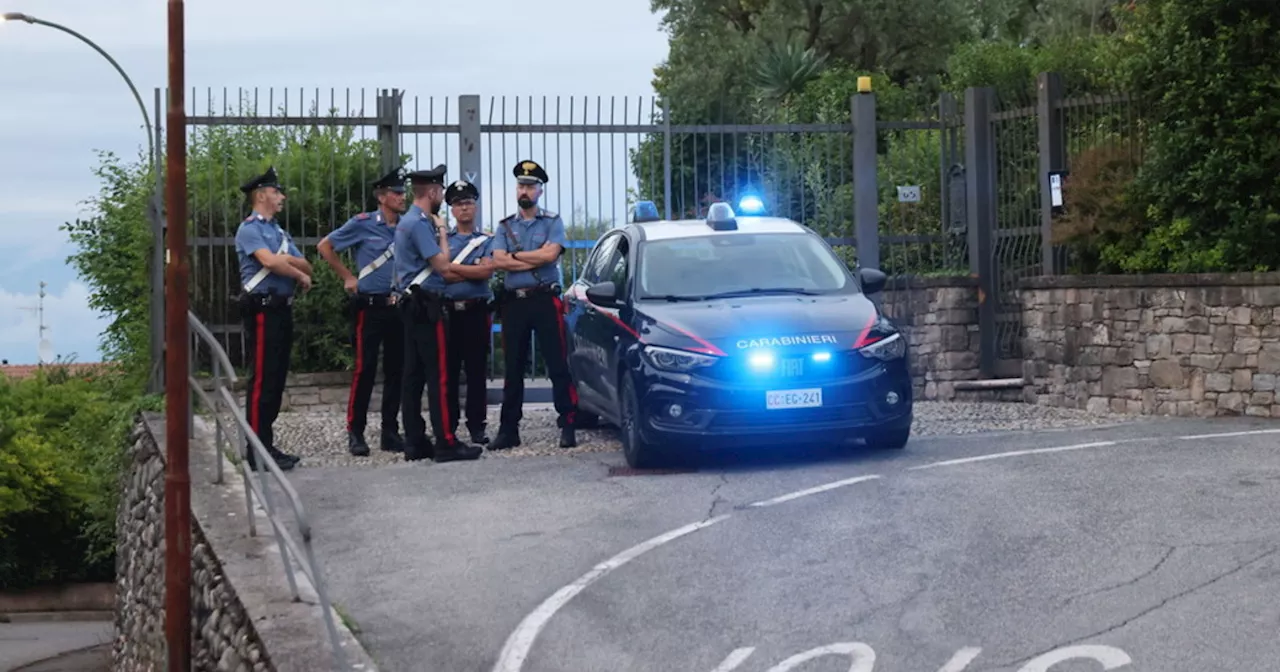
736,325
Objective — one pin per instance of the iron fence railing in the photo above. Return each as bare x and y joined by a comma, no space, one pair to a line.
221,403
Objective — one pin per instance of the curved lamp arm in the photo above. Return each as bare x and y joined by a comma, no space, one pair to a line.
151,143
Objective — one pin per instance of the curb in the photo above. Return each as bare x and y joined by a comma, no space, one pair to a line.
57,616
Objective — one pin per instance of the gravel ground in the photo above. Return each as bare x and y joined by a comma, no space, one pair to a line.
320,439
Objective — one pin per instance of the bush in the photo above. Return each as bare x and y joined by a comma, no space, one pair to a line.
62,445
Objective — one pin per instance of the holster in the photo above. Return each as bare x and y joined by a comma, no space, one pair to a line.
421,306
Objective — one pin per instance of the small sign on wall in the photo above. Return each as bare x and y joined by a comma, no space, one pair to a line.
1057,179
909,194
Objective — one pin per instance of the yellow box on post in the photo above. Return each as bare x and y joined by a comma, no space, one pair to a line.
864,85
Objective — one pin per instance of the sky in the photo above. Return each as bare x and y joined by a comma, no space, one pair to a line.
63,103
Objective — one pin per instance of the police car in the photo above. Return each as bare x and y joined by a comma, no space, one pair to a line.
732,332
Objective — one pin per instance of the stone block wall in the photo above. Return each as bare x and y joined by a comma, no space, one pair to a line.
224,636
1185,345
940,318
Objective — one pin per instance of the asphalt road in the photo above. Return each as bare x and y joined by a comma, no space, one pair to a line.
995,552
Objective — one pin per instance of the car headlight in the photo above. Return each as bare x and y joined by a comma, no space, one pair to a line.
886,349
679,361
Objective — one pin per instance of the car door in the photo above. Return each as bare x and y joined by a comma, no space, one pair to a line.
620,322
587,329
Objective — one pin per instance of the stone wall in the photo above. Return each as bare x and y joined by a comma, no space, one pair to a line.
225,638
244,616
1186,345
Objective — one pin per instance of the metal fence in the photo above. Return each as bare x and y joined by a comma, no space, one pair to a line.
960,189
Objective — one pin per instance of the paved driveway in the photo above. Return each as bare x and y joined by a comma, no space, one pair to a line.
1149,544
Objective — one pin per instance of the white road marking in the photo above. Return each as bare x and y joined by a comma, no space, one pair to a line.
1110,657
1227,434
1014,453
814,490
520,642
862,656
961,660
738,657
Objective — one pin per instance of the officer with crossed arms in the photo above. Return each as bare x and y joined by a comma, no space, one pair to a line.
467,302
375,319
422,268
271,267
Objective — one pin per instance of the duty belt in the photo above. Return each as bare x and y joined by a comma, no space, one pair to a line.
463,305
526,292
373,300
266,300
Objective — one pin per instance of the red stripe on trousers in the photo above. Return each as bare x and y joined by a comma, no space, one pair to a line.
564,348
443,357
355,378
260,349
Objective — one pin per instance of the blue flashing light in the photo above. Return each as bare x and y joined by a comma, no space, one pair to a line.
751,205
821,356
646,211
761,360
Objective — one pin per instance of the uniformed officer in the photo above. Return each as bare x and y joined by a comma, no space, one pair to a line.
271,267
467,301
375,321
527,245
420,263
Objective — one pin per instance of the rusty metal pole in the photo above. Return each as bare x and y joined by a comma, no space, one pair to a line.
177,478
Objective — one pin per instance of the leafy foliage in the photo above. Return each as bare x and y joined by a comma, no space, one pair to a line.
62,442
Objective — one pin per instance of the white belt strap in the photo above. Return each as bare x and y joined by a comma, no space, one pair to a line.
377,263
263,272
471,246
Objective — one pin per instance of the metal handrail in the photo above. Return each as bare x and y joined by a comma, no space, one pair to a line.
258,486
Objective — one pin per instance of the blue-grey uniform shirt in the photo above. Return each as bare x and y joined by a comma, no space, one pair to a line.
258,232
469,289
415,244
372,236
545,227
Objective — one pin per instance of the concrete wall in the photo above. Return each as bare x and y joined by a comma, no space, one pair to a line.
243,616
1186,345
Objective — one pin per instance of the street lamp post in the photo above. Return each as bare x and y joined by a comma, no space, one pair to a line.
155,378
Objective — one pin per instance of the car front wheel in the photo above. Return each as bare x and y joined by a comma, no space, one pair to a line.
638,453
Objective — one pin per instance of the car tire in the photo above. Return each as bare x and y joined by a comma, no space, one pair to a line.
638,453
892,439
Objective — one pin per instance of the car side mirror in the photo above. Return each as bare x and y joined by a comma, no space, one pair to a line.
604,294
873,280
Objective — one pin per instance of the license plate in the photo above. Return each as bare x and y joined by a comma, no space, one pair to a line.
810,398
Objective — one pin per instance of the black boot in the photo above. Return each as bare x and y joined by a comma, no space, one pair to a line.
478,437
423,449
356,445
506,438
451,452
392,443
567,437
282,460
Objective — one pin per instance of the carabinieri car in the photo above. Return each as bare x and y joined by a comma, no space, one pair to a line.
733,332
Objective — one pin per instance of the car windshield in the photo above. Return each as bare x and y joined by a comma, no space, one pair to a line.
741,264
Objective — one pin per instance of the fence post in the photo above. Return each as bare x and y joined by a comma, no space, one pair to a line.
389,128
866,201
666,157
155,215
1048,95
980,191
469,161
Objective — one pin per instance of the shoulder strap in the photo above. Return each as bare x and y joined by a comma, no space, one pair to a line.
512,238
471,246
263,272
377,263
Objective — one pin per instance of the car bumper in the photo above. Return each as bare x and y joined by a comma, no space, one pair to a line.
713,413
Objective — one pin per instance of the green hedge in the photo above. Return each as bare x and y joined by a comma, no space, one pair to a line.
63,437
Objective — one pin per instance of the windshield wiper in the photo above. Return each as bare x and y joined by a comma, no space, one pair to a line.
762,290
678,297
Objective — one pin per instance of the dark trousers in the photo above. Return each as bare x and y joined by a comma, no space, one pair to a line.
425,364
469,330
269,343
375,327
541,315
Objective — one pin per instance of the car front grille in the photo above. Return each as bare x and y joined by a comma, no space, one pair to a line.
791,416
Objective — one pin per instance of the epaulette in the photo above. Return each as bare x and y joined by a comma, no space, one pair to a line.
548,214
363,215
508,219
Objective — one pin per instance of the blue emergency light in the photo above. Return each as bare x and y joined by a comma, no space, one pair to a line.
751,205
646,211
721,218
